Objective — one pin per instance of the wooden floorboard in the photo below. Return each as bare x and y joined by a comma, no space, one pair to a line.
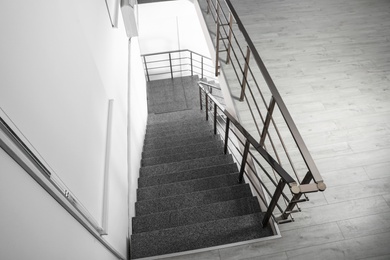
331,62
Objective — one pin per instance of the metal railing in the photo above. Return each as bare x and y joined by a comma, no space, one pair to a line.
255,162
177,63
275,129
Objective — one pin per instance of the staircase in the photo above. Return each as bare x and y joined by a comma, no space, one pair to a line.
188,195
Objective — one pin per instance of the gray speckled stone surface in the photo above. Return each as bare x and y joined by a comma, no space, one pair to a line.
186,134
203,213
184,166
188,196
187,175
169,131
183,187
145,207
183,149
162,144
206,234
184,156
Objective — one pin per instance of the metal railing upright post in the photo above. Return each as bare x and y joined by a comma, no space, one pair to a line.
207,107
267,121
226,135
146,68
215,118
200,99
170,64
296,198
192,66
217,40
243,162
245,74
229,37
202,66
274,201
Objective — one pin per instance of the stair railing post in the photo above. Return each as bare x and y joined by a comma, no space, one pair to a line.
217,40
192,67
202,66
207,107
146,68
243,162
208,7
245,74
170,64
229,38
226,135
274,201
267,121
306,180
215,118
200,98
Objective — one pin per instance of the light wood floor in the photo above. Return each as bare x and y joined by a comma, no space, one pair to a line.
331,62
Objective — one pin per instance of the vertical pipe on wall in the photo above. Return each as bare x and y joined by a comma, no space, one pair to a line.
107,168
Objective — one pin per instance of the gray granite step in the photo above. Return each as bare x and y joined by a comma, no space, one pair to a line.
163,144
146,207
184,135
183,149
177,129
188,216
201,153
206,234
187,175
167,168
177,188
198,119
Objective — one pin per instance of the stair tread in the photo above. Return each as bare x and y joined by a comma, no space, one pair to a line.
182,149
177,127
184,156
182,142
167,118
189,134
145,207
186,175
185,165
183,187
188,216
206,234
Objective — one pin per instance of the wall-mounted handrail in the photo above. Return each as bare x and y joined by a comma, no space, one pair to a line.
246,77
251,146
17,149
177,63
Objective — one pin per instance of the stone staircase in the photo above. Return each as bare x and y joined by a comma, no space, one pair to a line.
188,195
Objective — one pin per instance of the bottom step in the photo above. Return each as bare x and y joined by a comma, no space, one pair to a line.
202,235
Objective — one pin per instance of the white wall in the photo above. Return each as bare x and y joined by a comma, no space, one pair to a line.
35,226
61,61
171,25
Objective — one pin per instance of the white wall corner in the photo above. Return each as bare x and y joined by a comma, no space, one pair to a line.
129,19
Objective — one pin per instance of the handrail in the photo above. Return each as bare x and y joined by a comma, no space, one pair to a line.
278,99
222,19
282,173
17,149
164,65
245,138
